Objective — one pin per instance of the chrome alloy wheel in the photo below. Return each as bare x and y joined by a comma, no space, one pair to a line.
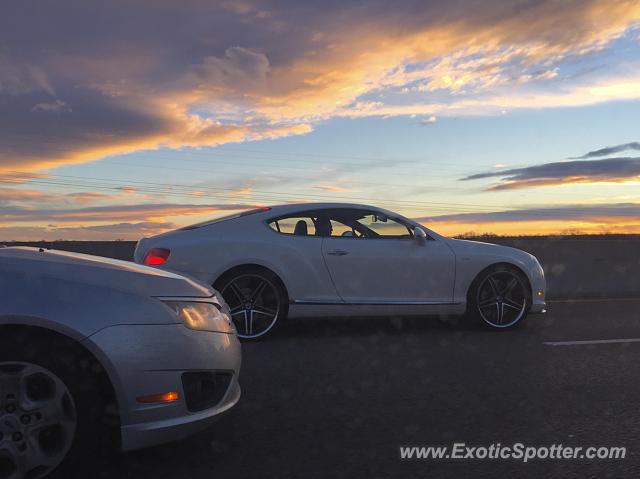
502,299
254,302
37,420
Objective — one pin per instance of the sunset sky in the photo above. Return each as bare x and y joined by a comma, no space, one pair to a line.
123,119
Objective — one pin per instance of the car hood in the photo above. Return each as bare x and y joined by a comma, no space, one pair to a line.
461,247
99,271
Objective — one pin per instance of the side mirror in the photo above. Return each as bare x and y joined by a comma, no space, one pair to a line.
419,234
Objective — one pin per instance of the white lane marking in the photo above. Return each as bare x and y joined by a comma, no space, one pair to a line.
593,300
594,341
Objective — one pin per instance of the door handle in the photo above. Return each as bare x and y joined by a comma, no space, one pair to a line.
338,252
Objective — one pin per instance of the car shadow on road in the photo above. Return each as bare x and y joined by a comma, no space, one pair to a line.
396,325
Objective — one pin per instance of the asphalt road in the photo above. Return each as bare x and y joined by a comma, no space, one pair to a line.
336,398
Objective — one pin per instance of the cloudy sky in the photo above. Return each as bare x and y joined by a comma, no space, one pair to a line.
122,119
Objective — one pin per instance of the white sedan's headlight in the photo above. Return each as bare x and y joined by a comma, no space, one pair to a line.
202,316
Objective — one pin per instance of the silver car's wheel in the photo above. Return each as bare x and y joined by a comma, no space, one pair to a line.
501,298
37,420
255,303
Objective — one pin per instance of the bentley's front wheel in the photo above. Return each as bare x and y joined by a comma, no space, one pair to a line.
500,297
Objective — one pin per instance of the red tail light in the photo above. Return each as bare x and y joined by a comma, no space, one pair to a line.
156,256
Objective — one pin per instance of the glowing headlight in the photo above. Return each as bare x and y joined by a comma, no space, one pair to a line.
202,316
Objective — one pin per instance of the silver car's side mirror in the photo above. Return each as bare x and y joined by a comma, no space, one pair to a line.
419,234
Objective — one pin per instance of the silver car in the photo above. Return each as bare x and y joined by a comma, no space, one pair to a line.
89,346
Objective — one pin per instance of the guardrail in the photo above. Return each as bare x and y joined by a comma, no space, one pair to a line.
585,268
575,268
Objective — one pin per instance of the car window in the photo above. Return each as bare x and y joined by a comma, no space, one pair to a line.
295,225
340,229
364,224
384,226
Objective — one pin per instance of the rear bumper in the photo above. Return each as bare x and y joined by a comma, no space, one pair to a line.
144,360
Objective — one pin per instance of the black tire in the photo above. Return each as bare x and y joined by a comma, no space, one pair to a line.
96,434
238,287
510,306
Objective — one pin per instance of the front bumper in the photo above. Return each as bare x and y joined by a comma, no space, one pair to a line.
146,434
539,307
144,360
538,288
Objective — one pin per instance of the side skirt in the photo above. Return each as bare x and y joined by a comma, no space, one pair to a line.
317,309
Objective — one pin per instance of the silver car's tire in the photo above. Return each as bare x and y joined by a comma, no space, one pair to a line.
37,422
499,298
52,404
257,301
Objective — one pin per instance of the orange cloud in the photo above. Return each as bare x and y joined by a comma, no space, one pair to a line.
102,214
18,177
331,188
608,170
366,58
534,228
123,231
88,197
591,218
244,191
164,96
567,181
17,195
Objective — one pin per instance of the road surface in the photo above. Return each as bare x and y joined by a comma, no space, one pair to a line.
336,398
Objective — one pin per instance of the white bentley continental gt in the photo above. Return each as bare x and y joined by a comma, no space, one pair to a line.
97,352
330,259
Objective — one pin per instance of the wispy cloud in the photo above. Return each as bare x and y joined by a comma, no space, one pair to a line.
611,170
131,221
21,195
19,177
609,150
333,188
246,190
128,213
607,213
88,197
125,231
18,195
430,120
51,106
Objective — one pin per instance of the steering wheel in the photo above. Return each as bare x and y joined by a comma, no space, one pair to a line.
353,234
